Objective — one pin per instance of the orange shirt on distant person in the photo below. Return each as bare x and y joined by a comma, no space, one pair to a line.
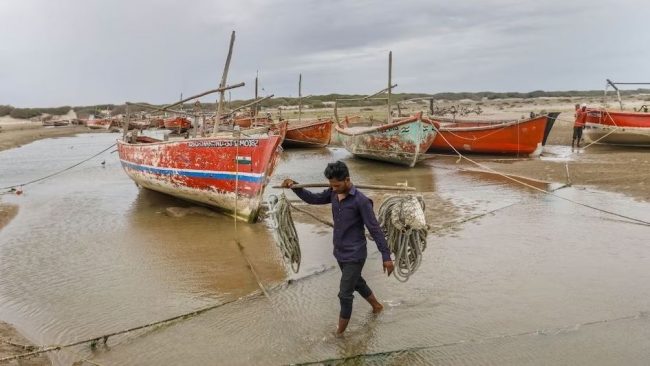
581,118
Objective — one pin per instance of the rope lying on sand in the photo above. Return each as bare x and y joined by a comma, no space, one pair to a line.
550,193
403,351
400,217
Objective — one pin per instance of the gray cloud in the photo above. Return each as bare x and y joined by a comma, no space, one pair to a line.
84,52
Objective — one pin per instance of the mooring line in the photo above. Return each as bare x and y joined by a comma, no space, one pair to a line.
461,156
104,338
469,341
58,172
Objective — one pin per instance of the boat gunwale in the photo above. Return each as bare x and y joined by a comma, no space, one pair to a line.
487,127
381,128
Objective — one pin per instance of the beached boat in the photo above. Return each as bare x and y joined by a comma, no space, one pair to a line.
101,124
178,124
403,141
315,133
524,136
225,172
617,127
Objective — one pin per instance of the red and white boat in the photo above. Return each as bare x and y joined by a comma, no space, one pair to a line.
525,136
228,170
617,127
225,172
315,133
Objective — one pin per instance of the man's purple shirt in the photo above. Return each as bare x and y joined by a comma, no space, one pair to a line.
350,215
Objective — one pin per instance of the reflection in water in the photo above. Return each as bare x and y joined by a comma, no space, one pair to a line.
89,253
200,249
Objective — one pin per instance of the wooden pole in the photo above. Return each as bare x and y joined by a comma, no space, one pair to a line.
390,75
255,110
154,108
362,186
371,96
224,77
299,98
125,127
253,103
203,94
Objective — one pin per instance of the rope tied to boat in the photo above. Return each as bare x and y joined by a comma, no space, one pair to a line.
402,219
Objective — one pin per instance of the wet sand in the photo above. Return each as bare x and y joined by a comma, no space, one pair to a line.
14,135
12,343
610,168
18,134
156,222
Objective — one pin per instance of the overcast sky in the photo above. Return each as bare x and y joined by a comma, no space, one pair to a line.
81,52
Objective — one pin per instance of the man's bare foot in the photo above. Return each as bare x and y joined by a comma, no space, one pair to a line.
376,309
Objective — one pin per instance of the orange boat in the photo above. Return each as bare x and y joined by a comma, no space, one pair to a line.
491,137
246,122
178,124
103,124
315,133
618,127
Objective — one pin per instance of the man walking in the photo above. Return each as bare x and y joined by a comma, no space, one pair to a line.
351,210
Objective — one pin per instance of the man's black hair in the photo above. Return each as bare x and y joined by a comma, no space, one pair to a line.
337,170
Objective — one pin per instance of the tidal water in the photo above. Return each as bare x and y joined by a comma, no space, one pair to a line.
510,276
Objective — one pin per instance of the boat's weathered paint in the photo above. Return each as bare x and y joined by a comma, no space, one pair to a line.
401,142
309,134
100,124
617,127
248,121
491,137
227,173
177,124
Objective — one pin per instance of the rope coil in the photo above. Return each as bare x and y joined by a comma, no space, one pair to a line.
402,219
284,231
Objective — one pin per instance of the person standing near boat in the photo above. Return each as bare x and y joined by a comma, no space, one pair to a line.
351,211
579,124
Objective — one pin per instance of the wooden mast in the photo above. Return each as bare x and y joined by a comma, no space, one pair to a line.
390,74
300,98
224,77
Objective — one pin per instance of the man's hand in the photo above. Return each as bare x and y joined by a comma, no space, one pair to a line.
389,267
287,183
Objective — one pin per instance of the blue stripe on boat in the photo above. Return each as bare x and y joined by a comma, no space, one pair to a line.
193,174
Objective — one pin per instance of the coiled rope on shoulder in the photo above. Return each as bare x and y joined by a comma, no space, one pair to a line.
284,231
402,219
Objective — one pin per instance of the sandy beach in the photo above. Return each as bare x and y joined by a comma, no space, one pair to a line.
614,169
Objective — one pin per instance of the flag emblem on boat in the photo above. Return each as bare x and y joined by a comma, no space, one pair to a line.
244,160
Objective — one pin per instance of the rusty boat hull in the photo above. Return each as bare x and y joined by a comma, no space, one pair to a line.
491,137
100,124
309,134
223,172
177,124
617,127
402,142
